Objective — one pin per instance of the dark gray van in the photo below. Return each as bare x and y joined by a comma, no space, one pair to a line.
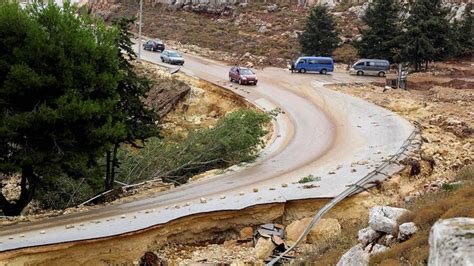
370,67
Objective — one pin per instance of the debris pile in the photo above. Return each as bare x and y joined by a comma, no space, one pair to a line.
383,231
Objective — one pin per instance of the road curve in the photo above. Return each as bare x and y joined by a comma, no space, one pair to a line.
328,134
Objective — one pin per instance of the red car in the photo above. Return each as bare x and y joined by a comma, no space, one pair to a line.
242,75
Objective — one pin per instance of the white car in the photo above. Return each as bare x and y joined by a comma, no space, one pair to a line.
171,57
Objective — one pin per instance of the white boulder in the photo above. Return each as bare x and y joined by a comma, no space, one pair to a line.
367,235
406,230
356,256
384,218
452,242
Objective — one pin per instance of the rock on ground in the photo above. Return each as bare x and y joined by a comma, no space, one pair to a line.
376,248
295,229
356,256
384,218
359,255
367,235
323,229
452,242
264,248
246,233
406,230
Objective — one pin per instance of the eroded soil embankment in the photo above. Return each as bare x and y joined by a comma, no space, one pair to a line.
128,248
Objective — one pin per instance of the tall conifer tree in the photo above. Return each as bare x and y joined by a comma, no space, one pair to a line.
320,36
427,35
465,33
383,27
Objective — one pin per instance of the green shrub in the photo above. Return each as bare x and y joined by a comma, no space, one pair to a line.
235,139
309,178
63,192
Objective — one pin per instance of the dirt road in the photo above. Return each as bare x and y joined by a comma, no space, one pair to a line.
321,132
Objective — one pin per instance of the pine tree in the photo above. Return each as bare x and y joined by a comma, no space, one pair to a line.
320,36
379,38
139,119
464,32
67,96
427,35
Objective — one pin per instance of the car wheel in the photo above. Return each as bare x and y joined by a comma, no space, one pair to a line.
324,71
255,84
162,60
381,74
231,79
360,73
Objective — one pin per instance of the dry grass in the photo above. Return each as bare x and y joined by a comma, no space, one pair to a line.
426,210
329,251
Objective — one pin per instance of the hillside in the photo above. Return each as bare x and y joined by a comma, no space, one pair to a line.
251,33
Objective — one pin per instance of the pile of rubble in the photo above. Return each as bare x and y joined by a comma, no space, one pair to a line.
251,244
383,231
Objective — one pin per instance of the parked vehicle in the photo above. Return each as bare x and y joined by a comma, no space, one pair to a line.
172,57
377,67
242,75
304,64
154,45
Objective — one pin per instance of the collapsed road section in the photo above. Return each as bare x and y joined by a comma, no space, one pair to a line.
321,133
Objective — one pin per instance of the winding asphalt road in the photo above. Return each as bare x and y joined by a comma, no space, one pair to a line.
321,132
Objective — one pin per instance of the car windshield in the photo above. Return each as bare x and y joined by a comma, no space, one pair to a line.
246,71
158,42
174,54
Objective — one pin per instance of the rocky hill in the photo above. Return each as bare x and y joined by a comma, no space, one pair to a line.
253,33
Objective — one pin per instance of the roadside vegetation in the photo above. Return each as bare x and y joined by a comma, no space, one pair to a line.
309,178
234,139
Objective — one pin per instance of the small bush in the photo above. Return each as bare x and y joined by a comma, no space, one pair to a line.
309,178
64,192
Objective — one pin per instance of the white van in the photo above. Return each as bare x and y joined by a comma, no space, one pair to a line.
376,67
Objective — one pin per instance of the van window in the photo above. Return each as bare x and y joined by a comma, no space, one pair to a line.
324,61
312,61
360,64
302,61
